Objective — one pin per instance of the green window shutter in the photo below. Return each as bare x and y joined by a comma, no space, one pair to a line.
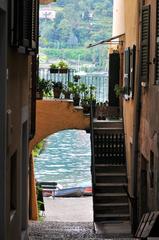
157,44
132,69
127,72
145,40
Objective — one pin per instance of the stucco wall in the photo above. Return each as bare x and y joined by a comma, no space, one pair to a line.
56,115
131,38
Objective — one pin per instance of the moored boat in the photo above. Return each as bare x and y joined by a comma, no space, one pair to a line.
69,192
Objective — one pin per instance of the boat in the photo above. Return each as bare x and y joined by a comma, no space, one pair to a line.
87,191
73,192
69,192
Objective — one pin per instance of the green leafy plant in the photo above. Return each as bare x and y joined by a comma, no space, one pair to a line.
59,65
44,86
76,78
53,66
62,65
57,85
119,91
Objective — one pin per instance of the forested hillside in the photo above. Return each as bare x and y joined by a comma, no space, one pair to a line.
76,24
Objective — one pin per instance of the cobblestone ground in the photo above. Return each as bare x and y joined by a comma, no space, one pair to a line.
66,231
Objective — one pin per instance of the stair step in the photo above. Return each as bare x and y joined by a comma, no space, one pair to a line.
123,209
108,124
107,128
111,204
111,179
111,174
111,217
110,197
109,160
110,187
111,184
107,168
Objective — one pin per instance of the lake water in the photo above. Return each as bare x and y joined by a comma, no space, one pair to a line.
66,159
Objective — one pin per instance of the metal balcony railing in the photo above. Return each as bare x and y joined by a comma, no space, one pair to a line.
99,80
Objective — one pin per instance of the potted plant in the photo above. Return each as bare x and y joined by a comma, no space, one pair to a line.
43,88
75,91
57,89
88,99
60,67
53,68
67,90
76,78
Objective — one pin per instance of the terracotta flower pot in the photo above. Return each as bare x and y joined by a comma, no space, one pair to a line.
57,92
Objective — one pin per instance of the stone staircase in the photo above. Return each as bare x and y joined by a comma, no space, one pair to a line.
110,201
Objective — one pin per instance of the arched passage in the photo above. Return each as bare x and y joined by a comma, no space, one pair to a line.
55,115
52,116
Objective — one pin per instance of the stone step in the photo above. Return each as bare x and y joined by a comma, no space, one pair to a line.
113,130
117,208
109,160
107,168
110,187
111,217
110,178
110,198
107,123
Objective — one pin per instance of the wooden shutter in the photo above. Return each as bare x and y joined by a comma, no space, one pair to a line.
27,23
24,23
13,17
132,69
35,24
157,44
114,65
145,39
127,71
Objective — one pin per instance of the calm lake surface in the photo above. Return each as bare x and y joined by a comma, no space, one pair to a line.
66,159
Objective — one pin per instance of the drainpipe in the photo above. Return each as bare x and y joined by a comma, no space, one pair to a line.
136,128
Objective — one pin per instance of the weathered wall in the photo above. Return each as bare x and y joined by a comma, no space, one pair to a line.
131,38
56,115
18,139
149,123
127,20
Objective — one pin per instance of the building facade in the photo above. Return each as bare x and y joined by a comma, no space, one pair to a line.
140,109
18,51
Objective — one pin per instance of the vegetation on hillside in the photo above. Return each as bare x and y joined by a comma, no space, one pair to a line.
76,25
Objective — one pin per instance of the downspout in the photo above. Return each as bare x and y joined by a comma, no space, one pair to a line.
136,128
